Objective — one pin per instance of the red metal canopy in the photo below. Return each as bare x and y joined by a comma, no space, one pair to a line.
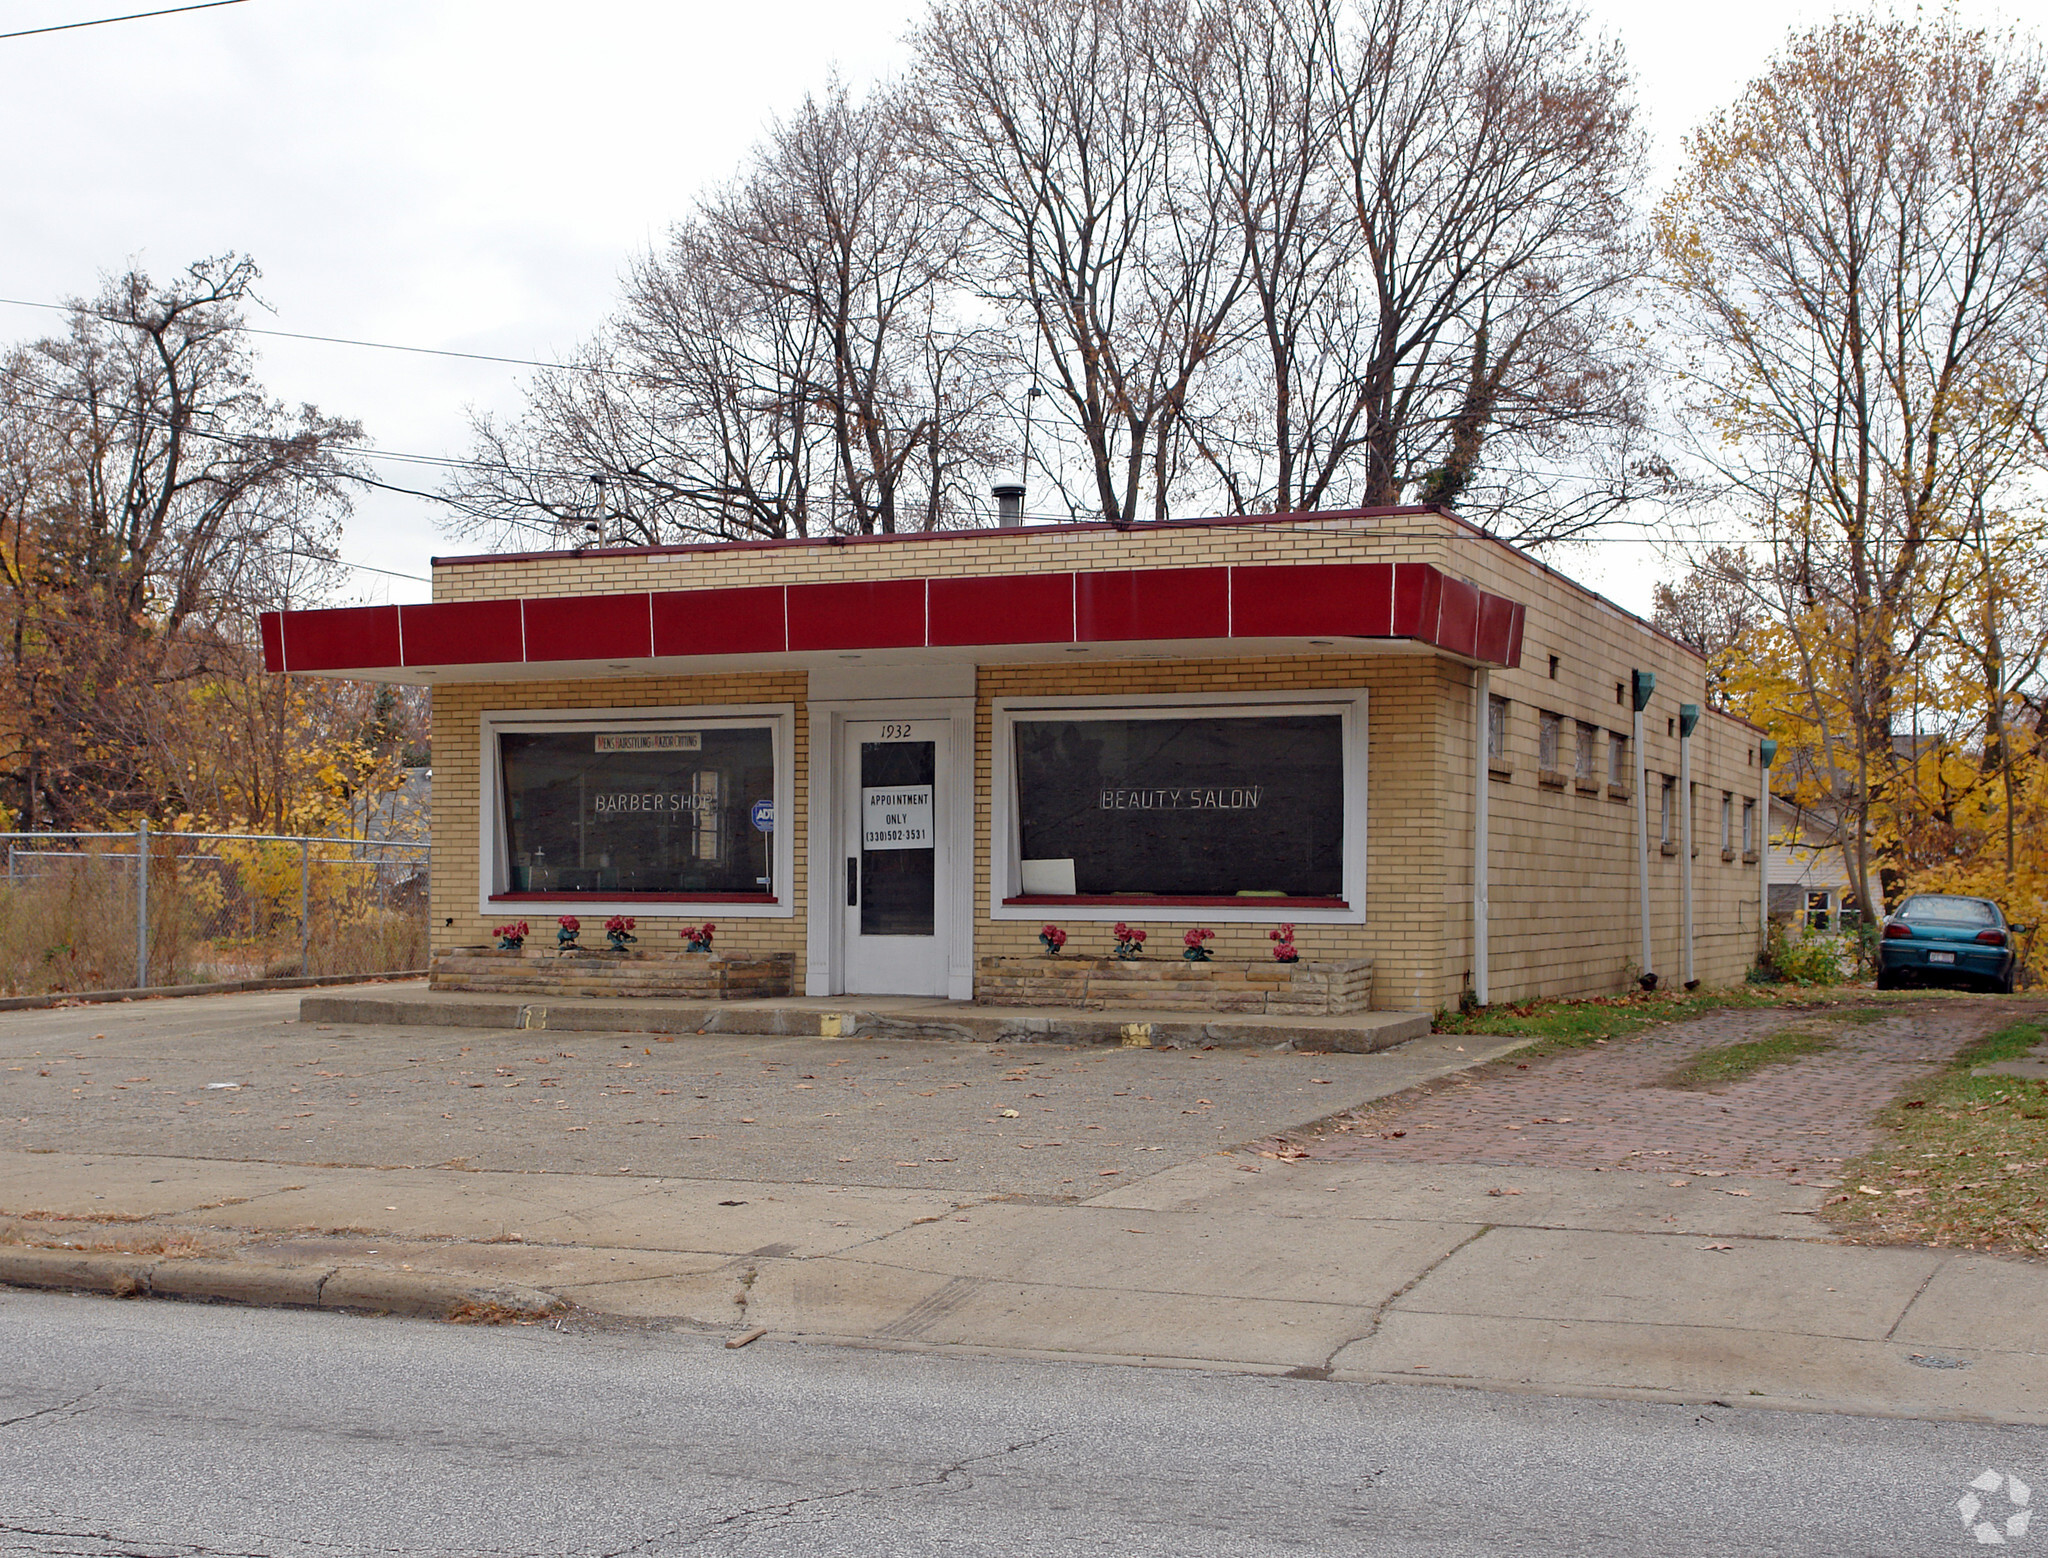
948,615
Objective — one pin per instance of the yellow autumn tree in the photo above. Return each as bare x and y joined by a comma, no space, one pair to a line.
1854,254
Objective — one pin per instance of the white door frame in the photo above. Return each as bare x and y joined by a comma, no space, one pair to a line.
825,843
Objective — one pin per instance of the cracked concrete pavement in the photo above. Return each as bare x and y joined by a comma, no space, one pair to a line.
1036,1201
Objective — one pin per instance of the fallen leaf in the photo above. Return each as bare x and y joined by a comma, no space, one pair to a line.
1105,1173
1680,1184
1727,1192
1867,1190
1504,1190
1717,1246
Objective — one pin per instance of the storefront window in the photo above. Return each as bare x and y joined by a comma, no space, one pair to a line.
1181,806
619,813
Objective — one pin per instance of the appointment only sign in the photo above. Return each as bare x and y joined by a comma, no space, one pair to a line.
896,817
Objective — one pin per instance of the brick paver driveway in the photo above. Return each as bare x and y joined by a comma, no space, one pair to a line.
1609,1106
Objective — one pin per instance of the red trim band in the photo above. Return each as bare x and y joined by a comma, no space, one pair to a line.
1333,601
1136,901
572,898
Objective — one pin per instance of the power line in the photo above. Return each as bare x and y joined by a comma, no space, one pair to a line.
343,340
132,16
338,562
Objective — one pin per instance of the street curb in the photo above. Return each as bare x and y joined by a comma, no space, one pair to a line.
359,1289
41,1003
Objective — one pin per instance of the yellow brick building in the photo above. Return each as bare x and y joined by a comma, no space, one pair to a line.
896,757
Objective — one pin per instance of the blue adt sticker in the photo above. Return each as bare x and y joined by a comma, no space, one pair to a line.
763,814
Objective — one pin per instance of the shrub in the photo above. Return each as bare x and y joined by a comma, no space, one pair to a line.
1810,957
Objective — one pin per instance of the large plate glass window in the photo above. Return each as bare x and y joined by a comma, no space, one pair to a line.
1181,805
616,813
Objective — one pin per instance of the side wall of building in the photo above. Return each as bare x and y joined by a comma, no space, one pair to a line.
1563,876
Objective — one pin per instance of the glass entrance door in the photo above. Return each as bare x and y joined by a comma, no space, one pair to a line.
894,857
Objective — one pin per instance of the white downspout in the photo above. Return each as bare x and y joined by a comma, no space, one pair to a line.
1766,750
1482,780
1640,685
1688,718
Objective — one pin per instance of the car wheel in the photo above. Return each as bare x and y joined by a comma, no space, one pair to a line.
1887,980
2005,985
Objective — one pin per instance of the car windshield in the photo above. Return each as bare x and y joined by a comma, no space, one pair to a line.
1961,911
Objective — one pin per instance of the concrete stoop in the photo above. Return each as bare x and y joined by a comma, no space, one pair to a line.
874,1017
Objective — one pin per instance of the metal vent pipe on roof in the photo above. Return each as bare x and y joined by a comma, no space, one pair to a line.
1009,496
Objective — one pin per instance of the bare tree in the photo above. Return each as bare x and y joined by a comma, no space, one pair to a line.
1713,611
787,365
1097,228
1262,87
1492,168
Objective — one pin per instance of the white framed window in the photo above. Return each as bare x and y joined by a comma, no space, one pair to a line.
1177,806
679,811
1749,827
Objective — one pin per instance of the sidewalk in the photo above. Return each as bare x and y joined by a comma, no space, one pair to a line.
1559,1279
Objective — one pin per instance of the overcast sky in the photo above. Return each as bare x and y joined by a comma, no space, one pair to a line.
471,176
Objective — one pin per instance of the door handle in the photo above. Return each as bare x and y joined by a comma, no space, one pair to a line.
853,881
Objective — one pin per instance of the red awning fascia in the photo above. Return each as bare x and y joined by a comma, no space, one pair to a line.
1412,601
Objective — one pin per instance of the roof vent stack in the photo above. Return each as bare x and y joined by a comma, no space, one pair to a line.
1009,496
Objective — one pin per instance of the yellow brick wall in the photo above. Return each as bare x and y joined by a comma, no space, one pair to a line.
458,769
1402,538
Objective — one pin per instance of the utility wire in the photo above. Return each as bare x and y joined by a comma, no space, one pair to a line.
132,16
343,340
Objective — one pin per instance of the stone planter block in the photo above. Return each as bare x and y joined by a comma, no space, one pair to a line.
1174,984
696,976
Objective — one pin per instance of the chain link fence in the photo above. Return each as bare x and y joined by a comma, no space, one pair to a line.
84,912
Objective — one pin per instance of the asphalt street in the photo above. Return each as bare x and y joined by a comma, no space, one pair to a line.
158,1429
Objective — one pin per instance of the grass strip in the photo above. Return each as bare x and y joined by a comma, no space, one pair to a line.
1966,1164
1732,1062
1563,1025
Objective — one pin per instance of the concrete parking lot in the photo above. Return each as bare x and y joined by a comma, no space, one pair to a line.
239,1078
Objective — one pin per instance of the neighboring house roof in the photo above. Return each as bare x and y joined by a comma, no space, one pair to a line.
1806,853
400,815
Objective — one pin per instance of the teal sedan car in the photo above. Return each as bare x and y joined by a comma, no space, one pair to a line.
1942,936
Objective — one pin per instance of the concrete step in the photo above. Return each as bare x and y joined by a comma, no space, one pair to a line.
870,1017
